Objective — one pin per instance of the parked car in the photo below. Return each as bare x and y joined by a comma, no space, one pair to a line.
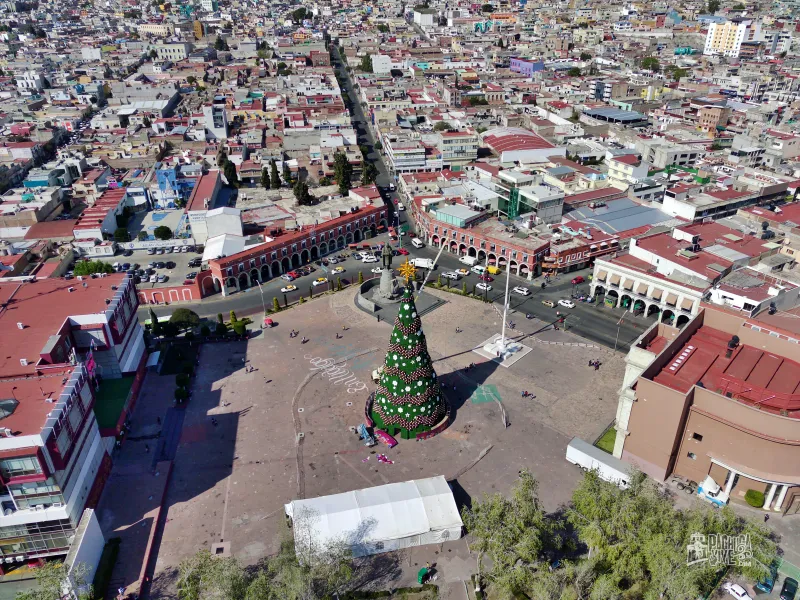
737,591
176,249
153,278
168,250
451,275
288,288
192,275
566,303
486,277
376,270
162,278
332,260
522,291
128,253
549,303
170,265
319,281
767,581
369,259
195,262
161,265
160,251
287,277
484,287
577,280
151,251
357,255
184,248
789,589
338,270
403,251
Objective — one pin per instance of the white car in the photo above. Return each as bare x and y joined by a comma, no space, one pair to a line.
288,288
319,281
153,278
737,591
162,278
521,291
484,287
376,270
451,275
400,207
369,259
287,277
357,255
566,303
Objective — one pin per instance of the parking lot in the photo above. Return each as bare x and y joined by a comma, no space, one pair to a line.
176,266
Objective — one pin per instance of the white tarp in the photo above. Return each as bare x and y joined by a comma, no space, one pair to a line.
379,519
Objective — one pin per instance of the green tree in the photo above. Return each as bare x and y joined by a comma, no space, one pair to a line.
233,317
276,306
153,54
739,7
586,56
121,235
713,6
222,158
220,44
360,277
146,122
184,318
162,232
274,178
142,236
366,63
383,28
514,534
369,172
651,64
50,579
574,72
287,173
90,267
378,146
265,179
342,172
230,174
302,194
191,80
676,72
299,14
155,325
240,328
487,8
324,180
443,126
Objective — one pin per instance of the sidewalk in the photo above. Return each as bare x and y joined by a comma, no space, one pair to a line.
131,501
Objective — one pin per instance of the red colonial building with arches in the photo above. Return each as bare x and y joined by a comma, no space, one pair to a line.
285,250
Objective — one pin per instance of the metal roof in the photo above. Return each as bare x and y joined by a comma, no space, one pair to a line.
619,215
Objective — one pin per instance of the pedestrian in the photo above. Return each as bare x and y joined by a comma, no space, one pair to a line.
427,565
146,449
597,366
766,518
379,318
591,363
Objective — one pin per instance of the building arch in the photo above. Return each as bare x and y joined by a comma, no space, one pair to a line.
314,253
435,241
639,305
453,247
654,310
383,223
286,264
471,251
254,276
373,230
210,286
232,283
357,236
295,260
348,238
625,301
682,320
667,316
304,256
502,261
462,249
323,248
276,268
598,291
524,270
614,295
492,258
514,267
244,281
265,273
482,256
340,242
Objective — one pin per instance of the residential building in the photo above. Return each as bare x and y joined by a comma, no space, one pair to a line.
458,147
726,39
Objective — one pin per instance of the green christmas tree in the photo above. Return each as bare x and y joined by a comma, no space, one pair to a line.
408,399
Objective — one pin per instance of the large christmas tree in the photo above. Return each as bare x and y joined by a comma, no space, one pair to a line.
408,399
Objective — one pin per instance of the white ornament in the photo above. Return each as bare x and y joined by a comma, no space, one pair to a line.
414,314
394,356
408,389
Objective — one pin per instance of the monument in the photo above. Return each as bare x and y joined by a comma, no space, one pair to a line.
389,289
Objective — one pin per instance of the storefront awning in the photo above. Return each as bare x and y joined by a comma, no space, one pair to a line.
686,304
628,285
672,299
657,294
614,280
641,288
601,275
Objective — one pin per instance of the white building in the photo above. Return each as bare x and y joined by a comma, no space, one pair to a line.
381,64
726,38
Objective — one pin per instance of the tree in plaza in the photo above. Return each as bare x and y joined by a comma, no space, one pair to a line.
50,580
274,178
409,399
155,325
90,267
162,232
366,64
184,318
121,235
713,6
342,172
514,534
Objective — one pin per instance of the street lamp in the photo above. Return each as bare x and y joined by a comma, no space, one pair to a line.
261,289
619,323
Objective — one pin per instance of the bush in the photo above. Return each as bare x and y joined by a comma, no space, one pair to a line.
233,317
338,284
360,277
188,369
169,329
239,328
205,331
754,498
276,306
184,318
181,380
220,329
90,267
181,394
162,232
301,300
219,318
464,288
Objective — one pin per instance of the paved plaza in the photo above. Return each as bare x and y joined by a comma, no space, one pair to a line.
283,430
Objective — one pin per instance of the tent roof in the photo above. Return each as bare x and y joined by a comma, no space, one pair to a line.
385,512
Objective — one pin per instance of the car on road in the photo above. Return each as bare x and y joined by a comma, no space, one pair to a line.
287,277
357,255
462,272
451,275
402,251
484,287
338,270
566,303
549,303
400,207
522,291
369,259
789,589
577,280
162,278
333,260
288,288
376,270
191,275
735,590
319,281
151,251
486,277
128,253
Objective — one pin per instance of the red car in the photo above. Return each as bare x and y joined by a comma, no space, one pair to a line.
402,251
578,280
485,277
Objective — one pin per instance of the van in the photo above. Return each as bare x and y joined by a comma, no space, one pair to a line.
417,243
468,260
479,269
493,270
423,263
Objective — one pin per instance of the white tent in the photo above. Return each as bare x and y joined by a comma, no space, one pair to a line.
378,519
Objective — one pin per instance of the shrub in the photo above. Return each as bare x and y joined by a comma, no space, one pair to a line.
189,336
233,317
239,328
184,318
276,306
89,267
464,288
162,232
301,300
360,277
188,369
181,380
338,284
754,498
205,331
220,319
220,329
181,394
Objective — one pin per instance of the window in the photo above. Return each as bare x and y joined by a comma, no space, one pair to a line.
252,262
16,467
692,455
697,436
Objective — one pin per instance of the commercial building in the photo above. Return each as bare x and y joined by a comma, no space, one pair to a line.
59,339
726,39
720,398
202,199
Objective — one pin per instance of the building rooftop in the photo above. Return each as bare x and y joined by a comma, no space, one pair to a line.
36,396
619,215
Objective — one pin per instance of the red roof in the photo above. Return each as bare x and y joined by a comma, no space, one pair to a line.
516,141
204,188
48,230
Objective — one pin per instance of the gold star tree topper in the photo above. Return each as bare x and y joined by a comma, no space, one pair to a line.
407,270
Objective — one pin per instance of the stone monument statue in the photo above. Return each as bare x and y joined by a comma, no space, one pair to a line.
386,257
388,290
